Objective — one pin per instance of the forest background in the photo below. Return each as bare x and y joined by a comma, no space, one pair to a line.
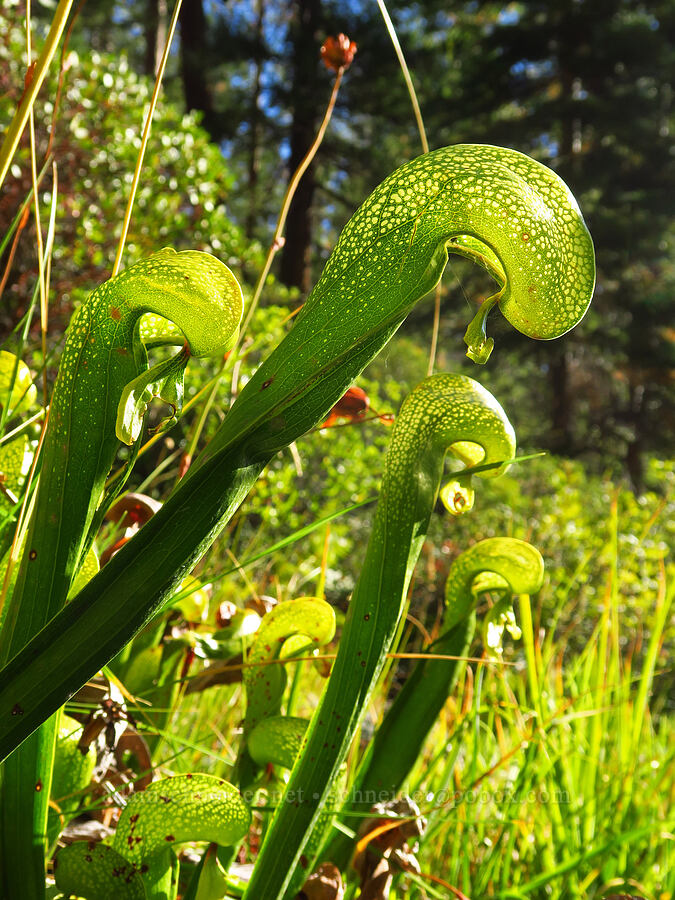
585,87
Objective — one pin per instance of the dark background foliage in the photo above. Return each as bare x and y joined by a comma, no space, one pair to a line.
583,86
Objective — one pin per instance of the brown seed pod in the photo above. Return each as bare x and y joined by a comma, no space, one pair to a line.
338,53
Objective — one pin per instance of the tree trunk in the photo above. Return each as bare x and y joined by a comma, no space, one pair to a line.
634,452
561,440
254,145
294,268
155,35
193,30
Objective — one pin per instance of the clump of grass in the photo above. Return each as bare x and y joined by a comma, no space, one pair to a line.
556,777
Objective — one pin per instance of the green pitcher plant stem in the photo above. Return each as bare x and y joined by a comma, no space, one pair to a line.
507,212
290,627
445,413
103,349
503,565
140,862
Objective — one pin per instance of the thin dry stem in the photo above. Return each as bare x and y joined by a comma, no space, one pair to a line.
36,206
406,75
18,123
425,149
144,139
286,203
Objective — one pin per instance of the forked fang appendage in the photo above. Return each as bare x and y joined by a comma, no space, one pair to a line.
478,343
